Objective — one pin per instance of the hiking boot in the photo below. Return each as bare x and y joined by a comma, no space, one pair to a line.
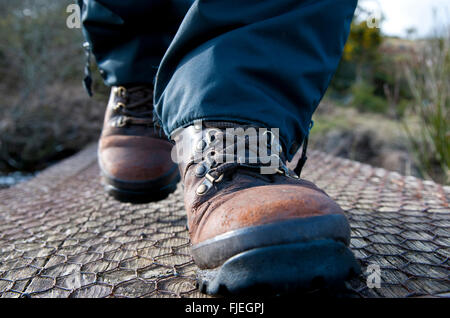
134,154
253,231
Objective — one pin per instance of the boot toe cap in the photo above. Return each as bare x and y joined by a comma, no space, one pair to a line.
134,158
263,205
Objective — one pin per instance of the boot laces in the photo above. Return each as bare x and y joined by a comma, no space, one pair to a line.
135,105
222,153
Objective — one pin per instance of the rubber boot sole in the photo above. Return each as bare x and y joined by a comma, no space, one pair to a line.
145,196
141,192
282,269
278,258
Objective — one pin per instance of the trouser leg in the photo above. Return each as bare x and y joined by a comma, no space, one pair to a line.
129,38
266,63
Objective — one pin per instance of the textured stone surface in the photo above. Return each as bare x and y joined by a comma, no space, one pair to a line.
61,236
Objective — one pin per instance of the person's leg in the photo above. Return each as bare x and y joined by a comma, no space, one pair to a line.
239,66
266,63
128,39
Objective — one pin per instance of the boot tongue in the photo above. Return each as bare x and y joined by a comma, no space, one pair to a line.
140,96
140,102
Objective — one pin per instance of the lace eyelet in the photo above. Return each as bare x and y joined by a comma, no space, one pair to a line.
121,91
211,135
200,146
200,171
118,106
121,122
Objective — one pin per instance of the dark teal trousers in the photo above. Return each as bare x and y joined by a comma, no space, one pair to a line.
262,62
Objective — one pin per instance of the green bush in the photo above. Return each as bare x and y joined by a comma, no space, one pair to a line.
365,100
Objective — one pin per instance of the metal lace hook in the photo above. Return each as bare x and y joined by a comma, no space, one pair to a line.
208,183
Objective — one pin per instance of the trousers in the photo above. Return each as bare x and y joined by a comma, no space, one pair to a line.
266,63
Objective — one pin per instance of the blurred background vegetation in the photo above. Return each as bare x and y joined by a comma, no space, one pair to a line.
45,115
388,104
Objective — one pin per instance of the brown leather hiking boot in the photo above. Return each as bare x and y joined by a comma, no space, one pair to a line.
257,232
134,154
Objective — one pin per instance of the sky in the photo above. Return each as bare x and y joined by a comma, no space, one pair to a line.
402,14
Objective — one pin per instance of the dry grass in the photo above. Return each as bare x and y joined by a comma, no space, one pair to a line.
429,81
45,114
45,127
